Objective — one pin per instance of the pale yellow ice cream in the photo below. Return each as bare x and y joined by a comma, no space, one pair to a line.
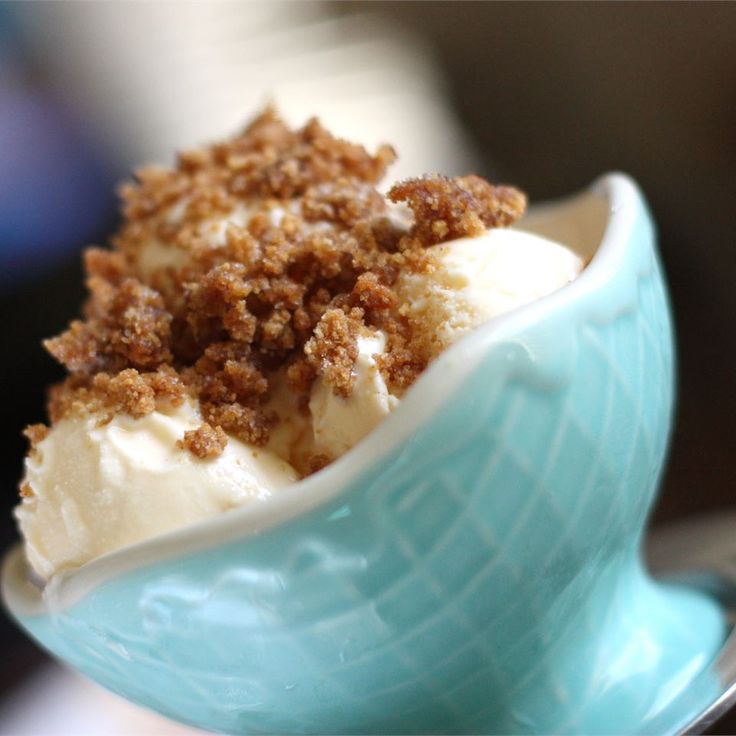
97,488
476,279
481,278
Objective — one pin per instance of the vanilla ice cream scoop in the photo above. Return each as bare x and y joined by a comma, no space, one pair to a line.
475,279
93,488
481,278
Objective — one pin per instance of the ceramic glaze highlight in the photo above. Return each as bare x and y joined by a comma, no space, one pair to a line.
482,576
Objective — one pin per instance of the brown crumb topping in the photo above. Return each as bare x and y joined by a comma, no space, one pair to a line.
127,326
184,306
128,392
447,209
204,442
317,461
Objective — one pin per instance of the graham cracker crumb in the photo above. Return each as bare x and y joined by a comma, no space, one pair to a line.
333,349
105,264
205,442
127,326
26,491
128,392
247,424
36,433
316,462
369,293
447,209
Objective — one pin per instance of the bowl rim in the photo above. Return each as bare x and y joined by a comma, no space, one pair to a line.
421,401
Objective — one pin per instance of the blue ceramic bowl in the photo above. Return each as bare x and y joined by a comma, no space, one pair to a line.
473,566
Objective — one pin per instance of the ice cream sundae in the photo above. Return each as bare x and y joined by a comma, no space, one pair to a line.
262,308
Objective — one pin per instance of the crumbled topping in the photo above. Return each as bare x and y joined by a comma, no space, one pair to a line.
186,306
333,349
205,442
247,424
36,433
447,209
128,392
127,326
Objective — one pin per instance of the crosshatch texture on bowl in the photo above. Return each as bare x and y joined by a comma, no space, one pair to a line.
484,576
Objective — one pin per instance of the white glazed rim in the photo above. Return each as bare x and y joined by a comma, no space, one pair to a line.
429,392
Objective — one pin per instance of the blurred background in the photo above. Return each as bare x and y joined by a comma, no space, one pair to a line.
546,96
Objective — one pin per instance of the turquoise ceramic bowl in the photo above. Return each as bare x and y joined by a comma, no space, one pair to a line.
473,566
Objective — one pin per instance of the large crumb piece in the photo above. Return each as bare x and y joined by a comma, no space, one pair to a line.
249,425
447,209
219,300
128,327
205,442
333,349
371,294
128,391
316,462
